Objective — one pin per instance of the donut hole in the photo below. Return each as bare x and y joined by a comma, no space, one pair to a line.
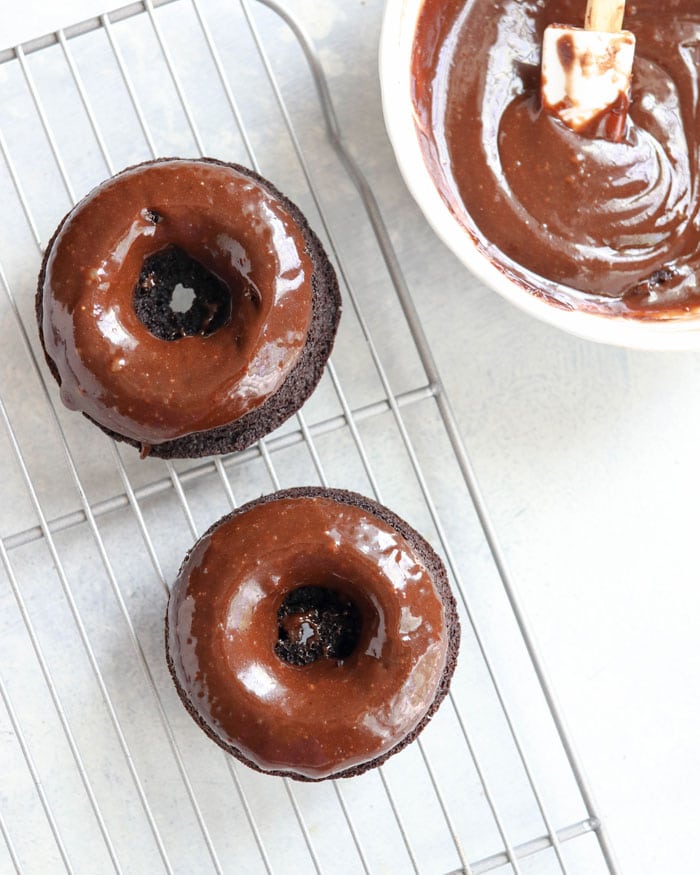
316,622
182,299
176,296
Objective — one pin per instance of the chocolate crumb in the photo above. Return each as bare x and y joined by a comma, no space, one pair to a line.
659,277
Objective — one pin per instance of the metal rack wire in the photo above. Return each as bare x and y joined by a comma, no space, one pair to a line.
100,769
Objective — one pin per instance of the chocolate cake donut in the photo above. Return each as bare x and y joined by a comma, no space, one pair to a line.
312,633
245,355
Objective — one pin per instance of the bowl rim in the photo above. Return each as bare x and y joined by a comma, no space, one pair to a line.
395,51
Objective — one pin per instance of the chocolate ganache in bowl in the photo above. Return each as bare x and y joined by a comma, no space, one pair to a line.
601,238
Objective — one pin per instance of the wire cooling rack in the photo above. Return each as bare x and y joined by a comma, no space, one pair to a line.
101,769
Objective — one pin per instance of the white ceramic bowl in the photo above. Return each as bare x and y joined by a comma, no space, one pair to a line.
400,19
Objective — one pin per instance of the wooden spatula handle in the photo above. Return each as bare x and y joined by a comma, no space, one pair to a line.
605,15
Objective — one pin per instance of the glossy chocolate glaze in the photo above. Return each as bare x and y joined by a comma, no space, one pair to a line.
319,719
111,367
584,221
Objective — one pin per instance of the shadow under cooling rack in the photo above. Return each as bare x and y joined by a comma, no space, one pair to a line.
102,769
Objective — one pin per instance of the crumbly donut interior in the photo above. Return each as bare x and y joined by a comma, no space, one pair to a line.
162,273
316,622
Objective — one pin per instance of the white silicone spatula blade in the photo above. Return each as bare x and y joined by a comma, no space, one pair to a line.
586,73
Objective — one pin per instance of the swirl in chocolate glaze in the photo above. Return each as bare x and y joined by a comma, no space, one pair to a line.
229,225
588,223
367,694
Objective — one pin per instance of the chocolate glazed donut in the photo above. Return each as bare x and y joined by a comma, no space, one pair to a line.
246,354
312,633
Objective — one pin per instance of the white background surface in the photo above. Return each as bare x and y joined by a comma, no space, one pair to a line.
588,460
